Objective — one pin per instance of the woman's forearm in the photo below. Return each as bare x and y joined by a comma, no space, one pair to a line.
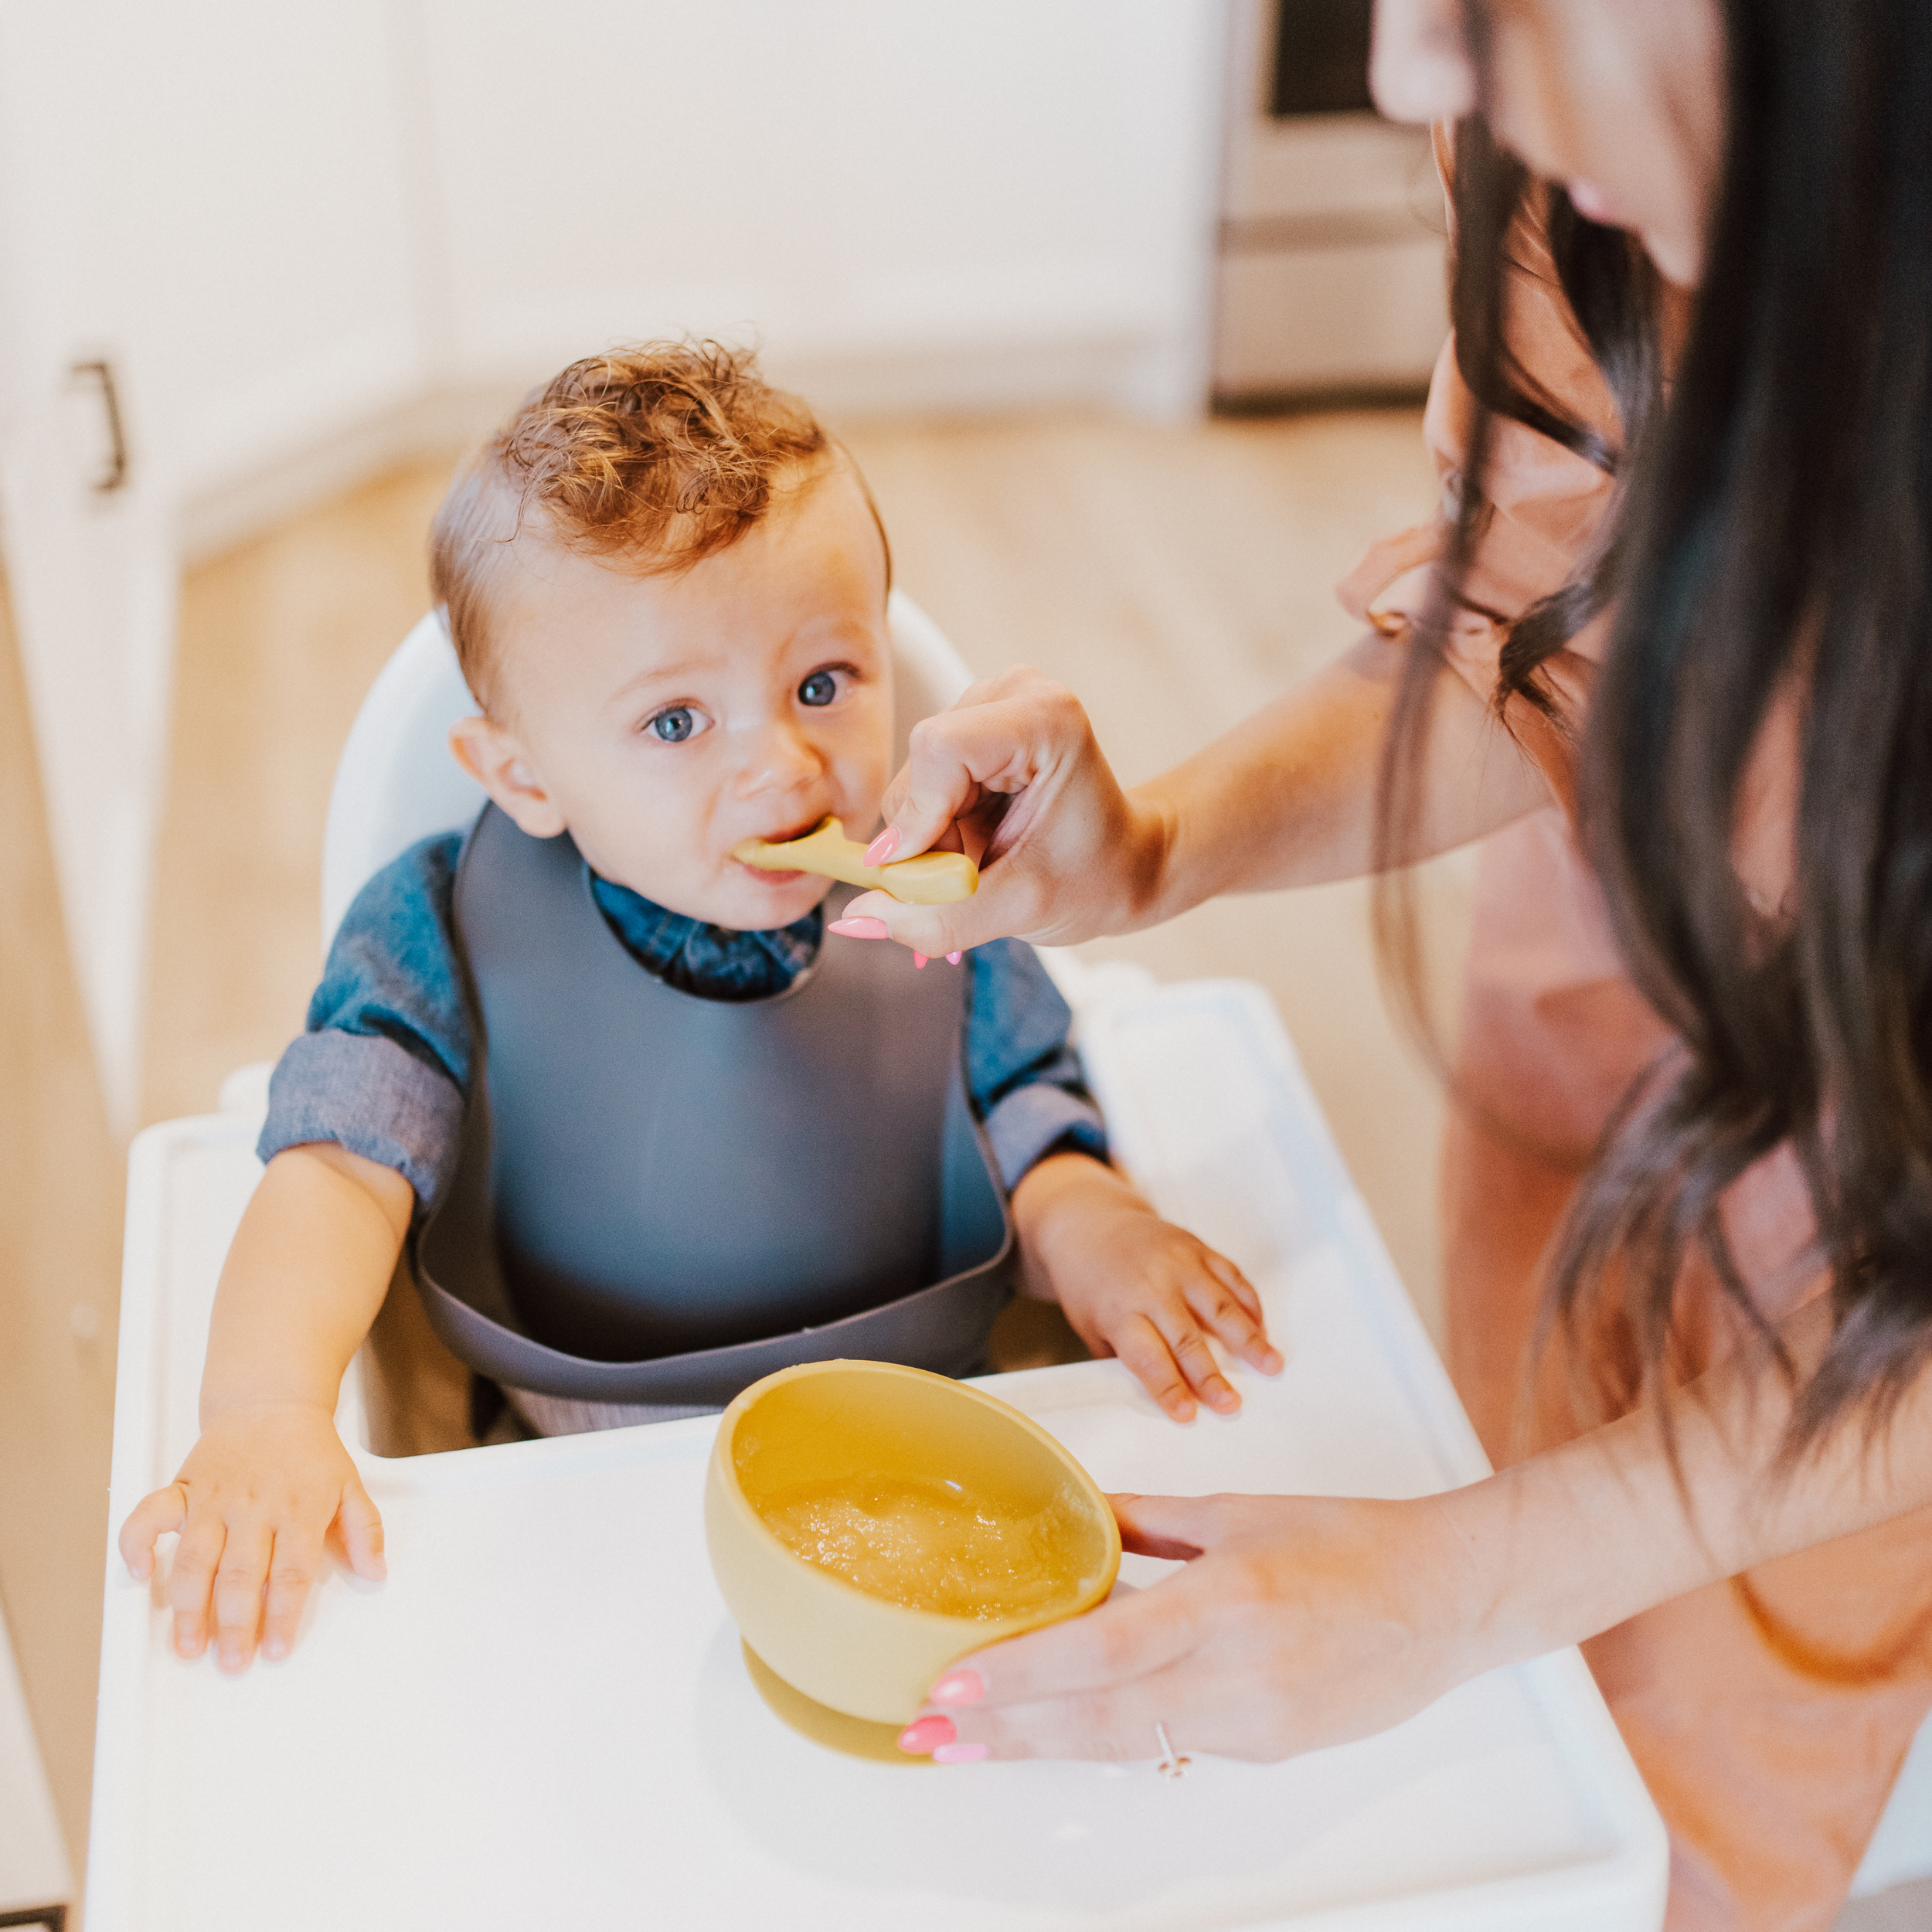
1013,773
1575,1540
1287,798
304,1278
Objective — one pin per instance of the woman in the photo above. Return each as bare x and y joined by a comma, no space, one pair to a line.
1701,631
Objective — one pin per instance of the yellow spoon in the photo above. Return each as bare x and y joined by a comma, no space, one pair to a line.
933,879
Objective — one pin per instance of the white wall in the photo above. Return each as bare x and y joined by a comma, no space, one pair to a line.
931,205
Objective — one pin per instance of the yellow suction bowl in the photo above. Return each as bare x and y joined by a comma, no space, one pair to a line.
869,1524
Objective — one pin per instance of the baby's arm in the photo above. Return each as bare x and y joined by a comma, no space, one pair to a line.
1136,1287
269,1481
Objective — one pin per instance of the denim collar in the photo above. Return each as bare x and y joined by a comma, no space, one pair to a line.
712,962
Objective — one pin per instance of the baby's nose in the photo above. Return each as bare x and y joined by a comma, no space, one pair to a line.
779,756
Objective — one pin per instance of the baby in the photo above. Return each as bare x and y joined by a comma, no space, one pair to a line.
647,1132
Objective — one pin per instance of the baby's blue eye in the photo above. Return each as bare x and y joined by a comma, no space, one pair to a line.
674,725
820,688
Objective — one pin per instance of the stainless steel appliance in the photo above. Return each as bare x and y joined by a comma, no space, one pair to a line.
1330,265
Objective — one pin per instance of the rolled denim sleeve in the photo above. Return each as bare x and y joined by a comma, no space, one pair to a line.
384,1065
1024,1076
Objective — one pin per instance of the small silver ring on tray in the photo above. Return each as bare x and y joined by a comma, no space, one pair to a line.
1172,1764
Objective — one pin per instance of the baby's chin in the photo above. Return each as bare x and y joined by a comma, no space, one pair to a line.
749,904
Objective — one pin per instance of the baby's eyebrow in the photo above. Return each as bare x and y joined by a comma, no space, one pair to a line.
678,667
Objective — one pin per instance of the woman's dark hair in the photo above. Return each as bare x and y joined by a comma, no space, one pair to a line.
1772,546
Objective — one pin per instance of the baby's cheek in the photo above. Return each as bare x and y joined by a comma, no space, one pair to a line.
862,767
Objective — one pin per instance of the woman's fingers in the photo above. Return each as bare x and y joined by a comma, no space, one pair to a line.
1098,1688
240,1582
153,1517
933,930
994,741
1198,1709
1121,1640
1176,1528
1108,1726
1013,770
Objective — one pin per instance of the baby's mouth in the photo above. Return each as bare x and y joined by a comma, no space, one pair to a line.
797,830
784,835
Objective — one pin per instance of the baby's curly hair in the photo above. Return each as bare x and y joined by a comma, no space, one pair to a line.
659,455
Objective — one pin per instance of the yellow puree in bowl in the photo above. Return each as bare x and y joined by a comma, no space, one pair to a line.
930,1545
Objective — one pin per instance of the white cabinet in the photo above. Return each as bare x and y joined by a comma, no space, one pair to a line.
1331,272
203,206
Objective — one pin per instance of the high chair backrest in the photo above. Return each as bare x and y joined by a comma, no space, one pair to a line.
396,782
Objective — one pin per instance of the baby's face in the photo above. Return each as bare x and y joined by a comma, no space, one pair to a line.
661,720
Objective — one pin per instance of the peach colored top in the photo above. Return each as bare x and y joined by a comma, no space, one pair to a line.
1553,1032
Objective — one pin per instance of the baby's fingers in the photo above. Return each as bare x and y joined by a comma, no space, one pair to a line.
297,1562
1232,1313
1144,1349
153,1517
359,1523
1231,1277
239,1583
190,1579
1190,1349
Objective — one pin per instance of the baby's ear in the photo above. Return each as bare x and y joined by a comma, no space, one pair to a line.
495,759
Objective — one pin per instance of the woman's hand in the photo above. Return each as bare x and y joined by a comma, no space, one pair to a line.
261,1495
1304,1621
1298,1622
1011,774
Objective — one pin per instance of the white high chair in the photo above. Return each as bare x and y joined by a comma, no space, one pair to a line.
1512,1805
396,782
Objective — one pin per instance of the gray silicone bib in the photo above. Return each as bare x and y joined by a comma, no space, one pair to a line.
662,1198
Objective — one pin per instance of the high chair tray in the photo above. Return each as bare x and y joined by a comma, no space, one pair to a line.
543,1718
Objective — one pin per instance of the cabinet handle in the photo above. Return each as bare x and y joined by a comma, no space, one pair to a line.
115,474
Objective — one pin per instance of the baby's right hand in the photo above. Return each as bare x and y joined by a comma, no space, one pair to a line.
255,1502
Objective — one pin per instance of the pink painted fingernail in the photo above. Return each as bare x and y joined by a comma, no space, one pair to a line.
882,847
927,1734
953,959
959,1687
960,1753
860,928
275,1648
919,959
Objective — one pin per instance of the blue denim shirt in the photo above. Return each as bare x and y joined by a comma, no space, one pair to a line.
387,1057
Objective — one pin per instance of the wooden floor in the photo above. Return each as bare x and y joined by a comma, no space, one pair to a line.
1175,577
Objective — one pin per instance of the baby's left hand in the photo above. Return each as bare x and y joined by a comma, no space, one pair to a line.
1135,1286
